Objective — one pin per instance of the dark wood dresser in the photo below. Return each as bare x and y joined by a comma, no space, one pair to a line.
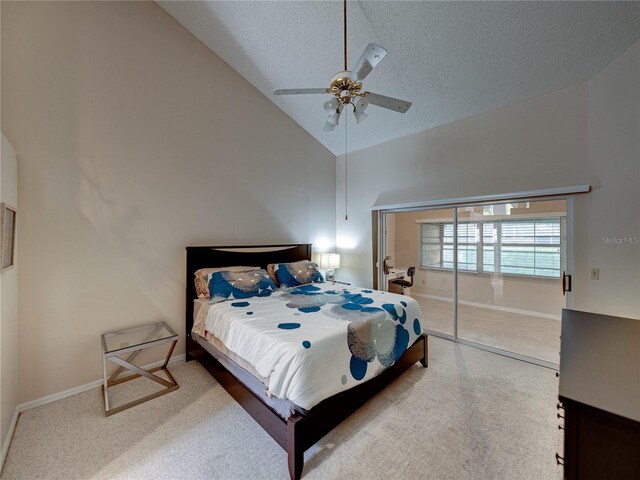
600,396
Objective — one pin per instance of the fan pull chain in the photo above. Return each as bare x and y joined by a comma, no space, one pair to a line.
346,170
346,167
345,34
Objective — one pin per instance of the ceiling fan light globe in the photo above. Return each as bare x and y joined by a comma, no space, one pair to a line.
333,119
328,127
361,104
360,115
330,106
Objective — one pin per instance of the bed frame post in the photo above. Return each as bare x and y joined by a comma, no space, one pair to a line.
425,360
295,450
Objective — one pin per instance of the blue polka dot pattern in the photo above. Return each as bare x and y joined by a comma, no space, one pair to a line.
306,344
367,291
305,289
309,309
249,313
371,309
300,291
351,306
309,299
391,309
404,304
288,326
417,328
240,304
402,341
358,367
357,298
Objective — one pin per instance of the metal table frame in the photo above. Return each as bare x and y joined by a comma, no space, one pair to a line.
170,385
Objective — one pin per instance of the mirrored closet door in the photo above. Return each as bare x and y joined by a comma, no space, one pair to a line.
489,275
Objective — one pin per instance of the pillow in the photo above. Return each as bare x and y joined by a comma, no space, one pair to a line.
271,270
297,273
231,285
202,277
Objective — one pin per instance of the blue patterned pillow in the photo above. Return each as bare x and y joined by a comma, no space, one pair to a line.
297,273
231,285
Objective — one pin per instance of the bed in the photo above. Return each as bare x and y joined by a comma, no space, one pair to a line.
295,415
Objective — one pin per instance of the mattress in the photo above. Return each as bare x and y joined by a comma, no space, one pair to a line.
239,368
282,407
309,343
200,311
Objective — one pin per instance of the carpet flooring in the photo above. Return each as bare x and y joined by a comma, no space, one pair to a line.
514,332
470,415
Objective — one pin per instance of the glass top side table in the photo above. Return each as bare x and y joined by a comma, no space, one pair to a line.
133,341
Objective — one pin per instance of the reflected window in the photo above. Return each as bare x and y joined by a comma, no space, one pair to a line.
529,247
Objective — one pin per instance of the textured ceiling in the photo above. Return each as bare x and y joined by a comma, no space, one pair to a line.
451,59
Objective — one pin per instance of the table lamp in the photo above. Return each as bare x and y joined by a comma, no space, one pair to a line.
329,262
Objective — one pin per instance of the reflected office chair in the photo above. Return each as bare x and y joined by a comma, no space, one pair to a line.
406,283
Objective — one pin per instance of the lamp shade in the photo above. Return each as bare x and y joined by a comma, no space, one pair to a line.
360,115
333,119
361,104
330,260
331,106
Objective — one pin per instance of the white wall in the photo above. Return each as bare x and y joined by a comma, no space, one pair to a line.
136,140
587,134
611,213
8,301
541,142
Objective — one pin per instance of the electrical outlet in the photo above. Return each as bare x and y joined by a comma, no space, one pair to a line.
595,273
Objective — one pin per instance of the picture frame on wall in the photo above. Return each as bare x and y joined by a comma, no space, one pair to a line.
7,235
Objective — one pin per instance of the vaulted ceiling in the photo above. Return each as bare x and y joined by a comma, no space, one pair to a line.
451,59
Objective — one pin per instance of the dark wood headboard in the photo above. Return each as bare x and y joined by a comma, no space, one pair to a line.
227,256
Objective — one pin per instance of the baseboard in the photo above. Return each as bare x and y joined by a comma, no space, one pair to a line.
490,307
23,407
54,397
7,439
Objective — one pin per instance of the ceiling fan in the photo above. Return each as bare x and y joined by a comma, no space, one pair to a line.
346,86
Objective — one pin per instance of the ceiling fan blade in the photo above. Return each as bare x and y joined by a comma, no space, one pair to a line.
299,91
371,57
390,103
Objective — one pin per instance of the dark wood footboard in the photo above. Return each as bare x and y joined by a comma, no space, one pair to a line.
297,434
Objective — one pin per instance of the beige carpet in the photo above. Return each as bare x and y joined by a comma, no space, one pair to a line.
470,415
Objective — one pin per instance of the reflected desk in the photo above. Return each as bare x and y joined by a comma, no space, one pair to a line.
395,274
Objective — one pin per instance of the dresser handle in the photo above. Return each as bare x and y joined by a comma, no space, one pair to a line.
559,416
560,427
559,406
559,459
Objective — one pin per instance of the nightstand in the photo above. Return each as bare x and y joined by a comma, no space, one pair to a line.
133,341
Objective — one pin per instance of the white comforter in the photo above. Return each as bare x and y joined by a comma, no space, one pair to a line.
314,341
